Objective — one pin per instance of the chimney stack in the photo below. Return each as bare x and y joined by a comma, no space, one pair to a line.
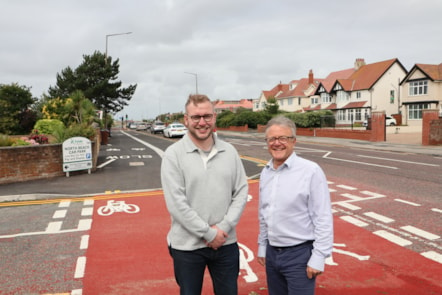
359,63
310,77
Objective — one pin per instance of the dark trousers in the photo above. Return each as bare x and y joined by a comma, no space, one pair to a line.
223,265
286,270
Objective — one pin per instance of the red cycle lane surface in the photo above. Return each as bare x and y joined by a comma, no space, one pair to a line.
128,254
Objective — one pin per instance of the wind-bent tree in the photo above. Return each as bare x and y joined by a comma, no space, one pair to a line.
16,117
97,78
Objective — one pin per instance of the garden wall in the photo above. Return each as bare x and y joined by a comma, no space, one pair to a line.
23,163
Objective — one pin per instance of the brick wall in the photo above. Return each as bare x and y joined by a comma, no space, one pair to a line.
23,163
431,127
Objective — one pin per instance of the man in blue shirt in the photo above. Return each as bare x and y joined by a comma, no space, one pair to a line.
295,219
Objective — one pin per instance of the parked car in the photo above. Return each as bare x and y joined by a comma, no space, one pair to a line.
389,121
141,126
132,126
175,130
157,127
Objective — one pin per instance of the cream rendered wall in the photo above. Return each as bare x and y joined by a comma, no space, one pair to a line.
380,94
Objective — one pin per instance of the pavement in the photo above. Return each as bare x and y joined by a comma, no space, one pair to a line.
402,139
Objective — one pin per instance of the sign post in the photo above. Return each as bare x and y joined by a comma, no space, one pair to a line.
77,154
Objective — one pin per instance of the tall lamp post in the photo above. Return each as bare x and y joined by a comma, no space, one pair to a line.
196,80
110,35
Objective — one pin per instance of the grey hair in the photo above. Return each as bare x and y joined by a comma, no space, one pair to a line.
282,121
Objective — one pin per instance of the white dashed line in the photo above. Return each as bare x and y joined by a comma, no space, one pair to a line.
436,210
350,188
77,292
89,202
421,233
64,204
80,267
60,214
433,256
352,197
54,227
407,202
348,206
84,244
392,238
354,221
368,193
379,217
88,211
84,224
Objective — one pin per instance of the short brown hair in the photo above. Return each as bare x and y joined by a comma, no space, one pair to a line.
196,99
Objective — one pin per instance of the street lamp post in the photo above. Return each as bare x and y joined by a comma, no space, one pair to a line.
110,35
196,80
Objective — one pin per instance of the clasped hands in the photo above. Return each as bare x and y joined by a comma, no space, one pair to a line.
219,239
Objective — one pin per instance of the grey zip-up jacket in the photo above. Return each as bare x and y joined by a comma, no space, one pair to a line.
199,195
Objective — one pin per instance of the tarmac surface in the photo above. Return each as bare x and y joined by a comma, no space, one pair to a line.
399,139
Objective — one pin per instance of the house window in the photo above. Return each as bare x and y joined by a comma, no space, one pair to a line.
299,101
315,100
418,88
358,95
290,101
341,115
415,110
342,96
281,102
391,96
358,115
325,97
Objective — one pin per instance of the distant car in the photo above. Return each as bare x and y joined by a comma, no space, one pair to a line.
141,126
175,130
389,121
157,127
133,126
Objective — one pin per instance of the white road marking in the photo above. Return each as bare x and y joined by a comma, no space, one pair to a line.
379,217
154,148
433,256
348,206
420,232
392,238
436,210
77,292
88,211
112,158
64,204
54,226
80,267
88,202
408,203
84,244
368,193
357,162
354,221
352,197
402,161
350,188
136,163
60,214
84,224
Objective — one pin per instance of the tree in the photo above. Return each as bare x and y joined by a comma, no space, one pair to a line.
97,78
272,106
16,117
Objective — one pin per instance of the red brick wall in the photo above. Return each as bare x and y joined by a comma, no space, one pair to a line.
431,127
244,128
25,163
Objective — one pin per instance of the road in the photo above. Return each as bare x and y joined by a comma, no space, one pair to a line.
386,206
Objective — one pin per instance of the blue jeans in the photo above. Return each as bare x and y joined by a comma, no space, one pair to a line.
223,265
286,270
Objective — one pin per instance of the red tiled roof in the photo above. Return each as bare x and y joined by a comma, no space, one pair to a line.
354,105
434,72
367,75
328,82
243,103
315,108
333,106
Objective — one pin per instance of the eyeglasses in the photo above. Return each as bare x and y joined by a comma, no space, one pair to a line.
196,118
281,139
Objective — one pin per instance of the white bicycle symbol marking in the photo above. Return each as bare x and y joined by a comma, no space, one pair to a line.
245,256
117,206
329,260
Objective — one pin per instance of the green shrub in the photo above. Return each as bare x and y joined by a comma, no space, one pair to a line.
48,126
83,130
5,140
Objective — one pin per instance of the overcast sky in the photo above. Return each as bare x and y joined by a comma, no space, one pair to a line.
237,48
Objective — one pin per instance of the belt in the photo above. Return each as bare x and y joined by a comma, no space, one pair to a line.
281,248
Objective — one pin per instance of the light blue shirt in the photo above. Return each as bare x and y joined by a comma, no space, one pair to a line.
295,207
